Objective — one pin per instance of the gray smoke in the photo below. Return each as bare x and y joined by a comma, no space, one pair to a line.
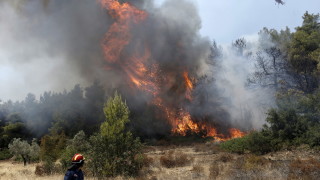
246,104
49,45
54,44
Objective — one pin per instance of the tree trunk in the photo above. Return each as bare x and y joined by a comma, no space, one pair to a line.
24,160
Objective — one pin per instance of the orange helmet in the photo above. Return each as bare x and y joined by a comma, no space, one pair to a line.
77,158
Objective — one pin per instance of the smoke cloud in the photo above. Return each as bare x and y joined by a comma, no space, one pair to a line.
49,45
53,45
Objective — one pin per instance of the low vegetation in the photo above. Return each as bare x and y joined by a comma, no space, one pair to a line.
175,159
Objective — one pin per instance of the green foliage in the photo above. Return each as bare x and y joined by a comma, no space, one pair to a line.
22,148
79,144
295,122
304,52
5,154
237,145
34,150
117,115
255,142
114,151
52,147
13,130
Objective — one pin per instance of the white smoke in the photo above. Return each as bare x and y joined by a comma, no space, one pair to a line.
246,104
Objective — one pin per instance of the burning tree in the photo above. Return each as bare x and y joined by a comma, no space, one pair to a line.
163,74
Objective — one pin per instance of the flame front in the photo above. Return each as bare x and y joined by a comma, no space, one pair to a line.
143,73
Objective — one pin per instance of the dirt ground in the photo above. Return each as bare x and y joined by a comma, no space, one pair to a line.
202,161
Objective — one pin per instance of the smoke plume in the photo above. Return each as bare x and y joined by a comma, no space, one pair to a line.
160,61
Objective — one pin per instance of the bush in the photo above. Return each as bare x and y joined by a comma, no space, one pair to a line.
260,143
79,144
52,146
5,154
237,145
47,168
255,142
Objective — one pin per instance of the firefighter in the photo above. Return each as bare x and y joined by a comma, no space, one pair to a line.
75,172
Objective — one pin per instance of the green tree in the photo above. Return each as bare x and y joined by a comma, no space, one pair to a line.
79,144
22,148
304,52
117,115
114,150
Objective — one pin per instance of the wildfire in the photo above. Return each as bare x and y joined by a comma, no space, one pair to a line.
236,133
189,85
119,34
143,73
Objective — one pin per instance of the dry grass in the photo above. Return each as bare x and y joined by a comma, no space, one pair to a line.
304,169
198,169
225,158
214,171
253,162
13,171
195,162
206,147
172,159
147,161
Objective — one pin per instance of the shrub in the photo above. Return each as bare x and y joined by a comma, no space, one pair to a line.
79,144
237,145
40,170
52,146
255,142
260,143
5,154
47,168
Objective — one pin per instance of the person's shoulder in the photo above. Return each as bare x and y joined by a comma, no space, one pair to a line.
69,174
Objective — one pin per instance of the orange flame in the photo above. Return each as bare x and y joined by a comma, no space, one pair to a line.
143,73
189,85
118,36
236,133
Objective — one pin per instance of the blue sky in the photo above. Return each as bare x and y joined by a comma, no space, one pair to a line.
227,20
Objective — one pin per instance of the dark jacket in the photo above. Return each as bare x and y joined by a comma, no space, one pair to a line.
74,173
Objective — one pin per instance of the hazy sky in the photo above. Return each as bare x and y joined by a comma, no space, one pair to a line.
227,20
